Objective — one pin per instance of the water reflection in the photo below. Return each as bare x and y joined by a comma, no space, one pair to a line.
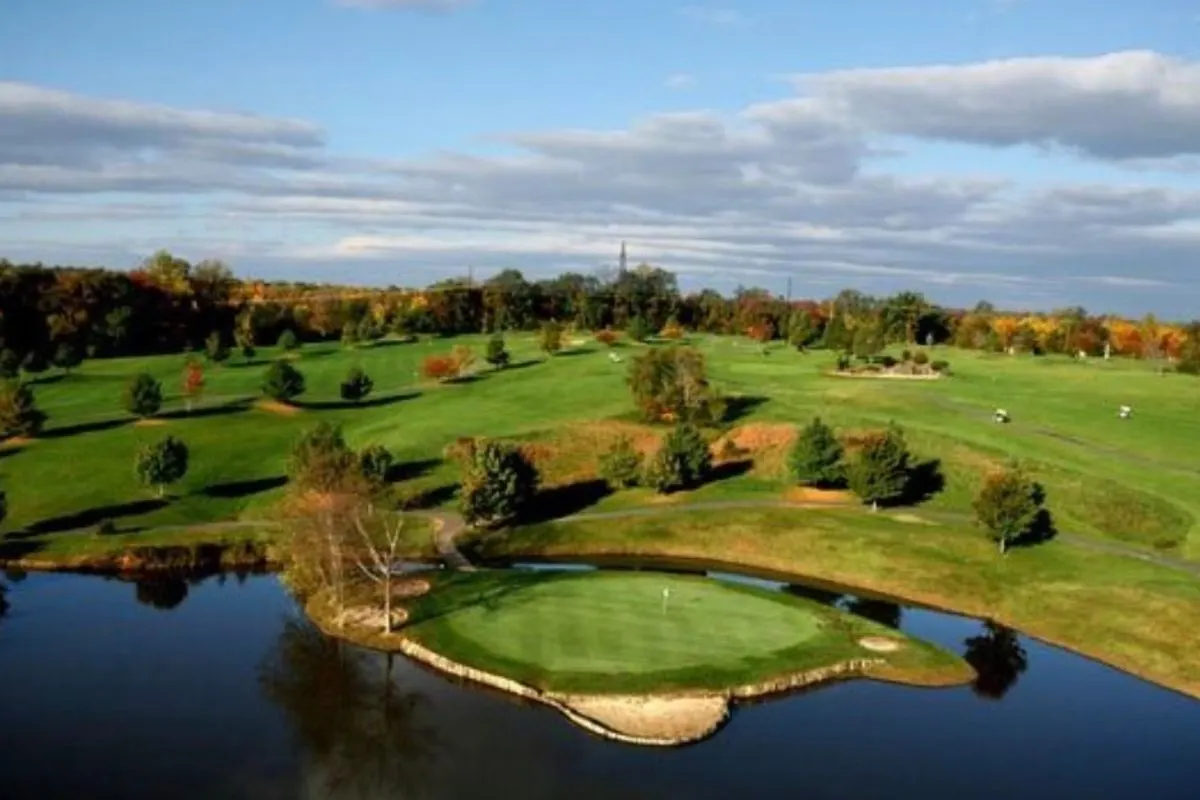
364,735
884,612
163,592
999,659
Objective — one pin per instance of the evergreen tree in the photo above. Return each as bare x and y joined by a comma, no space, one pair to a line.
357,385
375,463
621,466
143,395
879,471
161,463
497,354
683,461
288,341
283,382
321,461
800,330
19,414
499,485
550,338
816,458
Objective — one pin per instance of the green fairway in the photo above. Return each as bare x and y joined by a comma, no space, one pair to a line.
1137,481
611,632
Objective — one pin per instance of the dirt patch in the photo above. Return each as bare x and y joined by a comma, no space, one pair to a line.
808,495
766,443
674,719
276,407
149,422
879,644
15,442
911,519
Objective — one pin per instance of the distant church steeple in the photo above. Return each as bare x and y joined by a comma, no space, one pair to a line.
624,258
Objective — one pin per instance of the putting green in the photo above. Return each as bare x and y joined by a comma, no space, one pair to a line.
615,632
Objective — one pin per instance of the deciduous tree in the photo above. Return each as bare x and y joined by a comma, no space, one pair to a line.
879,472
193,383
19,414
683,461
499,485
161,463
672,383
356,385
143,395
283,382
550,338
1008,505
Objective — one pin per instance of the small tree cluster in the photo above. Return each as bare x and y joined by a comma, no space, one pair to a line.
356,385
879,471
683,461
499,485
802,332
817,457
19,414
161,463
283,382
143,395
322,463
672,383
621,465
1008,505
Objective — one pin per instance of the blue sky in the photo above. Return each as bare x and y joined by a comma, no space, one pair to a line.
1039,152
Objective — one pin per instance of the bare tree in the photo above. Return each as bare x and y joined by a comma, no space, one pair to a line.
380,538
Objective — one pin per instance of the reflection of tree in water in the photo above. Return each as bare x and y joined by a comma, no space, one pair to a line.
881,611
822,596
998,657
162,591
362,731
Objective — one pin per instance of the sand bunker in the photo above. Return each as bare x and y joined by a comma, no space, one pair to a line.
879,644
648,719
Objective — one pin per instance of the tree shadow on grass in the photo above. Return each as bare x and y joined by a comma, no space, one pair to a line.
738,407
390,343
580,351
484,590
254,362
235,407
430,498
410,470
373,402
529,362
563,501
730,469
925,481
236,489
47,380
84,427
13,548
90,517
1041,531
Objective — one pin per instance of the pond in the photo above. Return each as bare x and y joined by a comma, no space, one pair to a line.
219,689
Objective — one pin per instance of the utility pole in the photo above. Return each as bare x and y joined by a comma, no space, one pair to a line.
624,257
789,293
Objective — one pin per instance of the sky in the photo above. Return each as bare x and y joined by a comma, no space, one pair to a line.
1036,153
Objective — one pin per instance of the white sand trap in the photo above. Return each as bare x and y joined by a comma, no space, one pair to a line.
879,644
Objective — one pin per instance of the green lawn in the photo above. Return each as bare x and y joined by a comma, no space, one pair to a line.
1136,481
611,632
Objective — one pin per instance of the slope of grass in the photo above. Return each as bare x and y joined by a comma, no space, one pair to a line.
613,633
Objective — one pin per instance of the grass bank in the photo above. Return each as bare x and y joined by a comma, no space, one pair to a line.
1133,615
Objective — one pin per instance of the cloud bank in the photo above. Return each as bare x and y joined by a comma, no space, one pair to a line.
813,186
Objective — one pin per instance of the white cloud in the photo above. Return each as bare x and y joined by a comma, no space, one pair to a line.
791,187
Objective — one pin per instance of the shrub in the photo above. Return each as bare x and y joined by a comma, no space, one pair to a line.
215,349
672,330
439,368
350,334
907,355
106,527
143,395
283,382
550,338
356,385
161,463
1008,505
288,341
638,329
672,383
682,461
816,458
67,356
887,362
193,381
499,485
463,357
321,461
606,337
921,358
19,414
497,354
621,466
879,471
940,365
843,362
35,362
375,463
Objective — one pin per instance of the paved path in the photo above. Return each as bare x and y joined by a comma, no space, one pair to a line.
447,527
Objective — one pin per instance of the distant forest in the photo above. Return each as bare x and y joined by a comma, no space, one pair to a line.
59,315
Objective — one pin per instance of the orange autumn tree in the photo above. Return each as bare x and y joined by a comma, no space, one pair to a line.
1006,329
761,332
1125,337
193,383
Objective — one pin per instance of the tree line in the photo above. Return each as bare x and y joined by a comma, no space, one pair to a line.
56,316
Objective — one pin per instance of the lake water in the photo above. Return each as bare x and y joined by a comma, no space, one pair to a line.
220,690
